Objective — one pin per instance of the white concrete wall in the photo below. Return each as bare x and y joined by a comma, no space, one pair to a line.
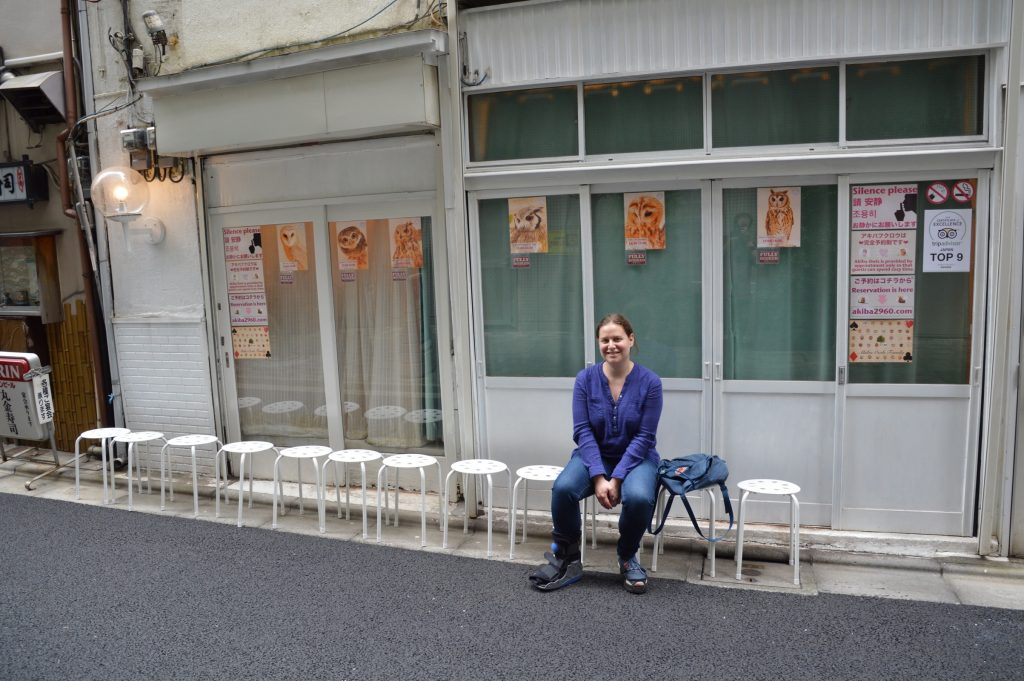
159,310
30,27
201,32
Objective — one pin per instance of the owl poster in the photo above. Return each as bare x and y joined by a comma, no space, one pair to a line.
645,221
406,236
291,247
778,217
353,245
528,225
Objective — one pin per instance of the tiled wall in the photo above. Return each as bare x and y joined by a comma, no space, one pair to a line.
165,383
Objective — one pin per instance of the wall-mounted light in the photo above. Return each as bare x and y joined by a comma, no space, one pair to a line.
121,194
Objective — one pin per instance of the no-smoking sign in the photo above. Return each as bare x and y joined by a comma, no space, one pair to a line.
963,191
937,193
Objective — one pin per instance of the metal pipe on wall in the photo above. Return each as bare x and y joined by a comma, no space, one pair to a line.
71,117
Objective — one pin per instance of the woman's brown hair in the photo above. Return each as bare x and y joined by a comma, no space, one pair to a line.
614,318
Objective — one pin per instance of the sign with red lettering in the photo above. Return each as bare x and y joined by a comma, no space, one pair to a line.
26,404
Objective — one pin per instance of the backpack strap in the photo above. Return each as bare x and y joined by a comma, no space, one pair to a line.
693,518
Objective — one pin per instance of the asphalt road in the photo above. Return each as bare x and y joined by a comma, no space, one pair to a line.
96,593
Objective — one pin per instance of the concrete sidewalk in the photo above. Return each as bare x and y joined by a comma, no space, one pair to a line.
939,570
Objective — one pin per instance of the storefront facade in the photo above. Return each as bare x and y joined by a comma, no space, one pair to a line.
794,206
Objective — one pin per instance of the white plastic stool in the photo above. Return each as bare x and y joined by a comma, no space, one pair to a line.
487,467
539,473
132,440
190,441
345,457
305,452
398,462
659,546
103,435
774,487
242,449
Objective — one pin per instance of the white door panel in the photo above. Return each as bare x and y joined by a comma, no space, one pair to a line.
786,436
906,464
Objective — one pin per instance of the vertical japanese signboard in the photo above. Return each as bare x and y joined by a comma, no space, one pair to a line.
247,294
26,404
883,263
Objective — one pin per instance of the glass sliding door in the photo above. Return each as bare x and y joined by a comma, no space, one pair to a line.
382,275
269,268
775,355
914,392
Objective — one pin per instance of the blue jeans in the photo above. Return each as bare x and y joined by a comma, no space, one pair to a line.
574,484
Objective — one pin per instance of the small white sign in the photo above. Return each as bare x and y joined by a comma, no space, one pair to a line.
12,184
947,240
44,399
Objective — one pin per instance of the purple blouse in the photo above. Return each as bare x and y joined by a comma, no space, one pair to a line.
625,430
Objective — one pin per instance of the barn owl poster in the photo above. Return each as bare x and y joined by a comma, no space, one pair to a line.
291,247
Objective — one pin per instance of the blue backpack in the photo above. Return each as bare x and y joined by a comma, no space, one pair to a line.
689,474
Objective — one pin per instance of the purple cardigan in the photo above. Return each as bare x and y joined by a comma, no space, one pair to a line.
625,430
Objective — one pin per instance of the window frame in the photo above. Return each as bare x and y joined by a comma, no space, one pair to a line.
709,152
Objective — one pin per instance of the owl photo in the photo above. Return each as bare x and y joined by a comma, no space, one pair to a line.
353,248
645,221
778,217
528,224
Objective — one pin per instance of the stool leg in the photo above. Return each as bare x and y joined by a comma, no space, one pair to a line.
583,537
711,531
444,510
241,486
195,486
78,490
363,479
323,492
526,505
380,492
439,517
512,519
337,484
394,520
423,508
103,467
657,537
490,515
320,505
216,482
275,490
795,550
593,524
298,468
149,470
739,536
113,482
131,450
465,516
252,480
163,452
348,492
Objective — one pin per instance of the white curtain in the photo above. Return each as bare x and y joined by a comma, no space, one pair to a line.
380,348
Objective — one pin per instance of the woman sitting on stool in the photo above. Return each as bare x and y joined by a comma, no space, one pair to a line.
616,406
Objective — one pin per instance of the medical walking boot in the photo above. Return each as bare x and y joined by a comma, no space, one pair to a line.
562,569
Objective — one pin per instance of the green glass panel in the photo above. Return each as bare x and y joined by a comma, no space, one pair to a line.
650,115
533,316
919,98
798,106
662,299
942,320
523,124
780,319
